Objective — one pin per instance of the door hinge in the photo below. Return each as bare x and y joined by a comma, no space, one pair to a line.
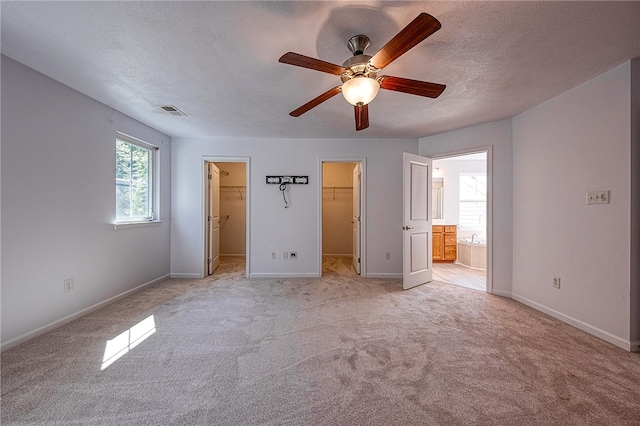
358,260
210,176
209,218
209,260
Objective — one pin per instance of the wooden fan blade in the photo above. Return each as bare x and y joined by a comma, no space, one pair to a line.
420,28
311,63
316,101
413,87
362,116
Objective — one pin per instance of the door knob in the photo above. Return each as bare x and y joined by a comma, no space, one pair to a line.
406,228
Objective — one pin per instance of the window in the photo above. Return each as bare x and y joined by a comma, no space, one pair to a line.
437,187
135,180
473,199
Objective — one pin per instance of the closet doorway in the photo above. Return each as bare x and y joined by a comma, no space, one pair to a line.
342,218
226,217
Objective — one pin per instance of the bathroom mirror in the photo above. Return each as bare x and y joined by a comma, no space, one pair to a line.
438,189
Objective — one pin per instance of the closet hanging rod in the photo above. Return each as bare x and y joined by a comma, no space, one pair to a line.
232,186
337,187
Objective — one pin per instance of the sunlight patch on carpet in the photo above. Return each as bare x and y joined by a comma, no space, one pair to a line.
129,339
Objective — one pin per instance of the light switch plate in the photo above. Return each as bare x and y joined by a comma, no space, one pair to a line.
598,197
68,285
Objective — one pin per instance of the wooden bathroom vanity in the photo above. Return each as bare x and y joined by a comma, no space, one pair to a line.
445,243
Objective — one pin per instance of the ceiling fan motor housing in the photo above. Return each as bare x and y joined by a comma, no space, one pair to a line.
358,66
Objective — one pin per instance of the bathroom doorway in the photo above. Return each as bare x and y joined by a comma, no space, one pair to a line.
461,217
226,217
342,218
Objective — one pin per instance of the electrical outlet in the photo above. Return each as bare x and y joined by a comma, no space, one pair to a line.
598,197
388,256
293,255
68,285
285,255
274,254
556,282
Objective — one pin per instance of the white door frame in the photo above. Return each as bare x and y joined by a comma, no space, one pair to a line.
363,209
214,159
356,209
489,151
212,215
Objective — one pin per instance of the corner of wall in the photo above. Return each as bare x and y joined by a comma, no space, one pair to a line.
635,207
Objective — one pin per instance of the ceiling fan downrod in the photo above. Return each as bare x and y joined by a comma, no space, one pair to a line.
358,44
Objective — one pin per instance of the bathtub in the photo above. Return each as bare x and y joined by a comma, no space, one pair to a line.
472,255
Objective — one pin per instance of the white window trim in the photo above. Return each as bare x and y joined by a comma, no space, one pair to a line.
131,225
155,190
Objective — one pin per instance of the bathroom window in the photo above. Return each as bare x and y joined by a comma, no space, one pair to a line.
437,186
473,199
135,180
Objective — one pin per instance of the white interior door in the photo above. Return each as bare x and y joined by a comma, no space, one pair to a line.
416,210
213,217
355,220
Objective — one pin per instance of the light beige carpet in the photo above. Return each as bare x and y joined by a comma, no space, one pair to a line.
341,350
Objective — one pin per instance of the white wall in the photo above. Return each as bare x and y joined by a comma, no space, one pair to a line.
498,136
58,205
274,228
574,143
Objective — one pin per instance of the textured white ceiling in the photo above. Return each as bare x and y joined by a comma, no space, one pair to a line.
218,61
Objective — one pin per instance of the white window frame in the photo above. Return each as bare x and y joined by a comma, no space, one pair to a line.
154,190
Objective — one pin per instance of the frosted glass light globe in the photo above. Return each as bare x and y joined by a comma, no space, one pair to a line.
360,90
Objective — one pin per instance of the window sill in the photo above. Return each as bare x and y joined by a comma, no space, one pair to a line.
131,225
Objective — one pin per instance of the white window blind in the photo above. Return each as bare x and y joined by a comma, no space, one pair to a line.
473,199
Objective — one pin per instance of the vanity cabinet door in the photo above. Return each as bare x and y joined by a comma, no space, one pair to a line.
445,243
450,243
438,242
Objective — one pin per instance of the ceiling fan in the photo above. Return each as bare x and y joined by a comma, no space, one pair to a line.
359,74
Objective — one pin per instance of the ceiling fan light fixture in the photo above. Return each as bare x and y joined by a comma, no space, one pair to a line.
360,90
359,74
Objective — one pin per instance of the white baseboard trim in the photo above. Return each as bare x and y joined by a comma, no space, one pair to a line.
69,318
188,275
501,293
595,331
269,275
385,275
